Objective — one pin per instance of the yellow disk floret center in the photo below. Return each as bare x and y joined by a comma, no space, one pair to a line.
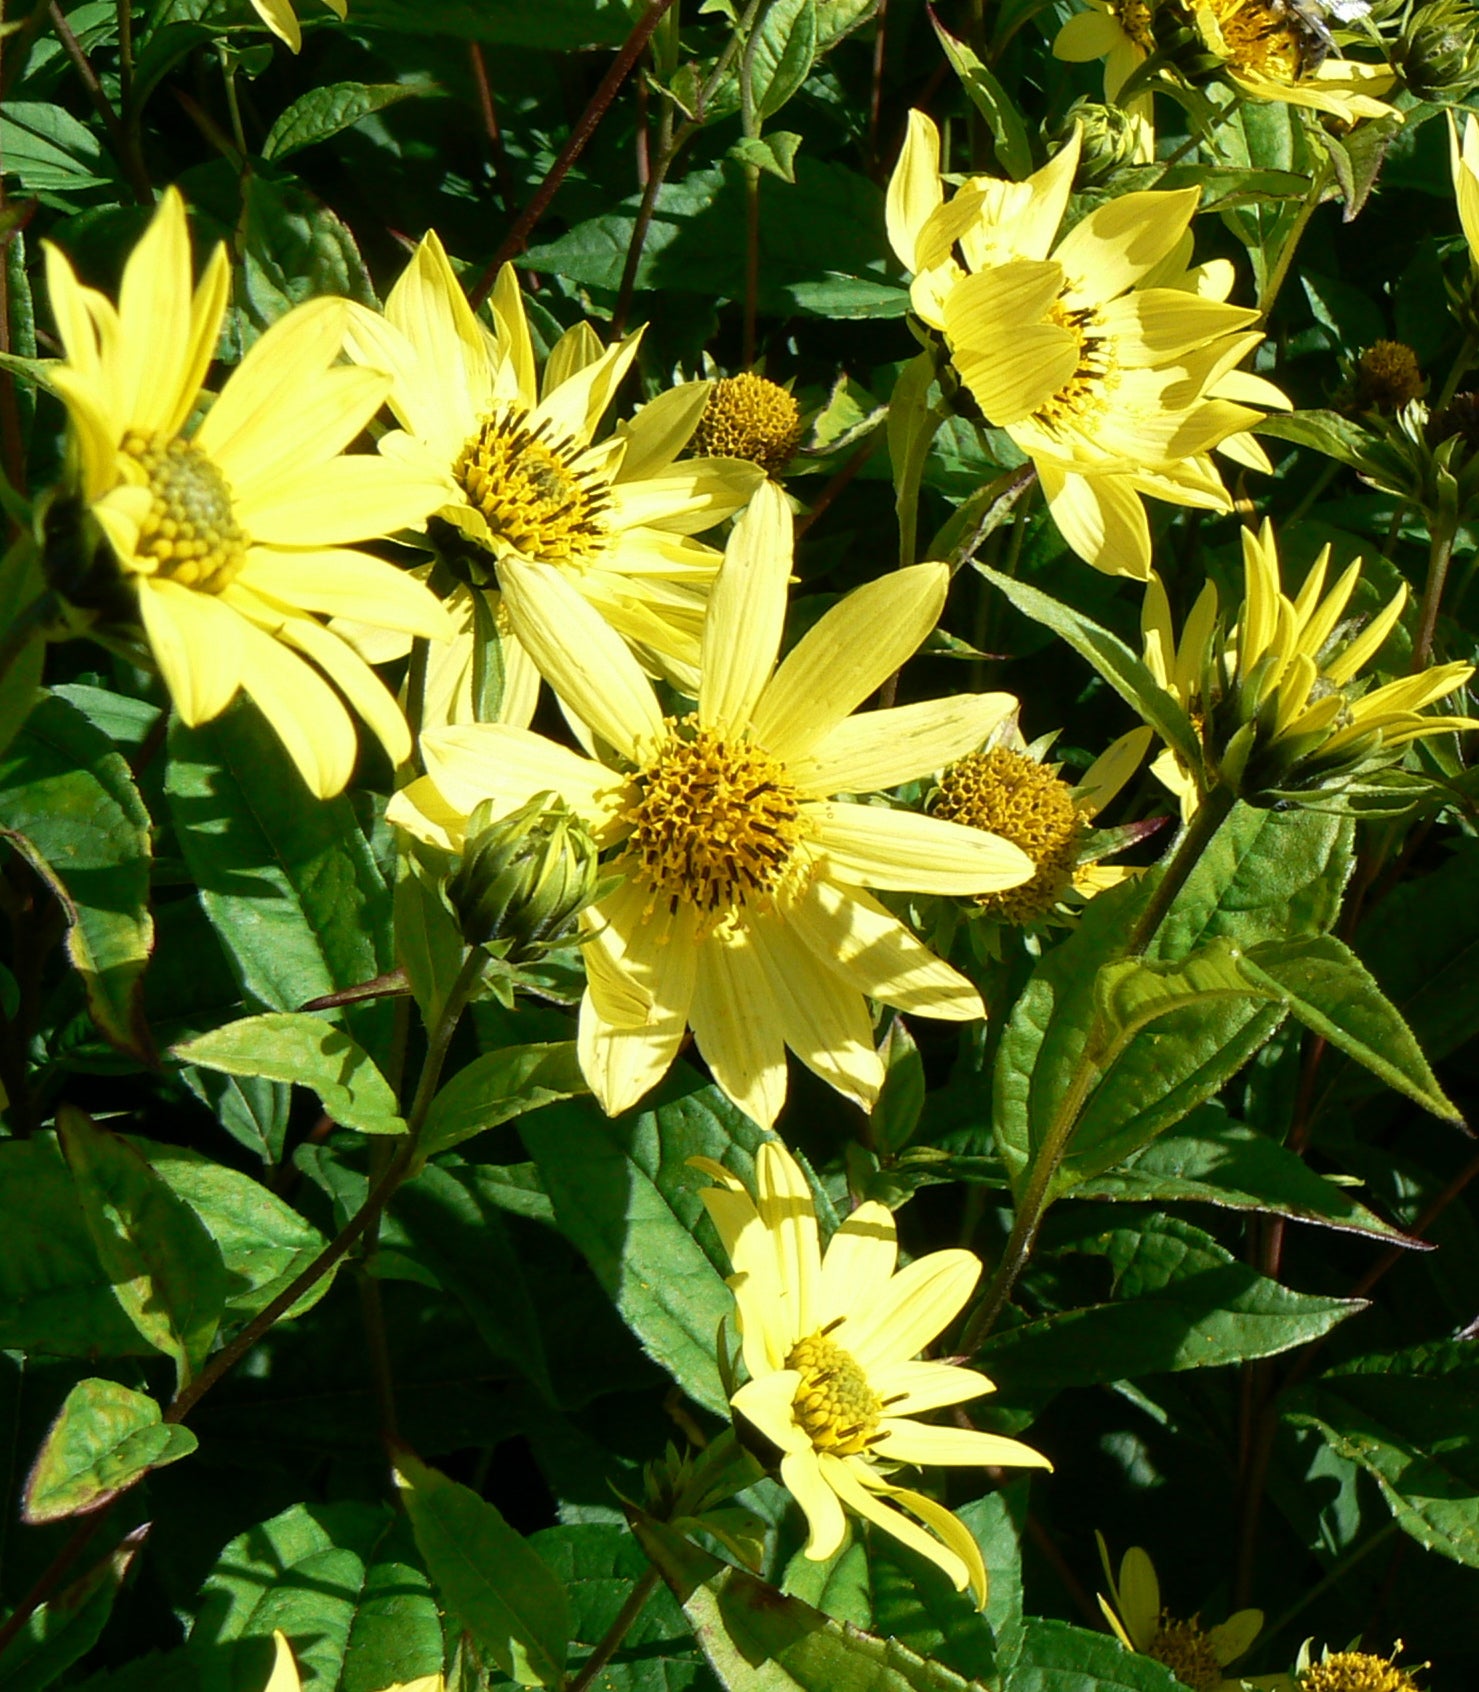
190,535
749,417
526,483
834,1405
1134,18
1183,1646
1356,1671
1259,38
716,822
1007,793
1087,392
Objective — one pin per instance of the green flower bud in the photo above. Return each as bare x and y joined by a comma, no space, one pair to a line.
523,877
1109,135
1438,53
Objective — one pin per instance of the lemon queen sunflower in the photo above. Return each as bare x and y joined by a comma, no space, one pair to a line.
1115,388
234,534
523,474
740,906
830,1344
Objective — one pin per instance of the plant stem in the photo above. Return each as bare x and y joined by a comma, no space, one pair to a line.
611,1640
1293,238
750,128
600,102
1457,371
1440,551
132,169
1037,1196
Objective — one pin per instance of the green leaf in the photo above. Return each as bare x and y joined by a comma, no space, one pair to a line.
105,1438
1054,1656
757,1640
428,940
1325,432
1134,993
454,1229
309,1052
1410,1420
21,585
264,1243
1214,1160
67,1626
341,1581
1181,1301
1119,666
991,100
288,883
253,1111
775,152
50,152
510,1601
56,1299
68,804
626,1199
164,1266
895,1116
497,1087
841,1586
329,109
782,54
1328,988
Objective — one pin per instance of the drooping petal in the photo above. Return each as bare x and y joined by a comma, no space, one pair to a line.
581,656
804,1478
736,1027
921,1442
341,583
1101,518
304,711
845,655
914,190
841,1475
198,644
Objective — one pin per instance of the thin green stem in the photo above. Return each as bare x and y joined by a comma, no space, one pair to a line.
1291,241
1037,1196
611,1640
102,105
1458,370
1440,552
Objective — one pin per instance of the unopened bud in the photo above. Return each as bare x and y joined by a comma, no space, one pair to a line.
524,876
1438,53
1110,135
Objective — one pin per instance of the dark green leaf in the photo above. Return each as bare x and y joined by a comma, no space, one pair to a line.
496,1088
1325,432
991,100
327,110
165,1268
782,54
66,1627
68,803
1411,1420
507,1597
289,884
50,152
105,1438
1181,1302
309,1052
558,24
1055,1656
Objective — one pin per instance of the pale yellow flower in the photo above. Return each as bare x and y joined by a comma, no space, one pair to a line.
526,474
830,1343
1117,31
1196,1655
1464,161
741,906
1270,53
1112,382
235,532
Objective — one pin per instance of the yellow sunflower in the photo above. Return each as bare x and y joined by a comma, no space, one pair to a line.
233,533
524,476
740,906
1196,1655
1117,31
830,1343
1279,701
1112,382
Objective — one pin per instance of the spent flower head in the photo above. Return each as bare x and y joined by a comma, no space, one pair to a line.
830,1343
234,535
742,903
748,416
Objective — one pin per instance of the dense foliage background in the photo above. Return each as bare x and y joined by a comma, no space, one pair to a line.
1230,1340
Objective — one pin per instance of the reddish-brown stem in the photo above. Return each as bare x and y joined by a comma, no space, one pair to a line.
875,96
52,1576
102,105
600,102
502,175
839,481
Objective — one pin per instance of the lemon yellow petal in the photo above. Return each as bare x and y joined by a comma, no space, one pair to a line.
856,1266
922,1442
907,1389
905,852
872,750
342,583
747,611
661,429
916,1305
199,644
914,190
345,500
736,1028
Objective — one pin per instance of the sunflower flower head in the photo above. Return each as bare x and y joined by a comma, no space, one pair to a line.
830,1343
528,471
1351,1671
738,873
1273,51
1195,1654
1009,789
1282,708
232,536
749,417
1107,361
